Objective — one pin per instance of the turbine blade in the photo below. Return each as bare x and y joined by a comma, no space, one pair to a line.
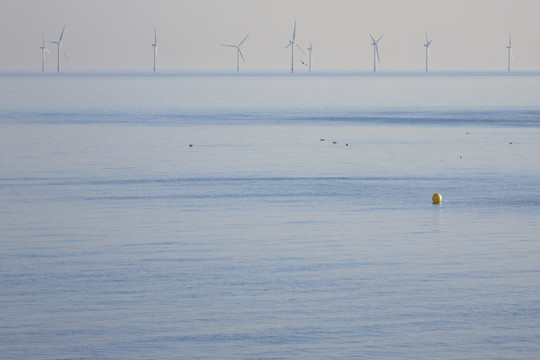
510,40
288,45
241,42
379,39
294,32
64,51
62,34
240,52
298,46
427,39
229,45
377,51
371,37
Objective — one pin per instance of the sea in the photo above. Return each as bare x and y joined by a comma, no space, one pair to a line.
263,215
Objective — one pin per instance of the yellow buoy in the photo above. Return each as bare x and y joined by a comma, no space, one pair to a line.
437,198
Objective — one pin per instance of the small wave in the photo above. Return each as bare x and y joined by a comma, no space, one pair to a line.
491,117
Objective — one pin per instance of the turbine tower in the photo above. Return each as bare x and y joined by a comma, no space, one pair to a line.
44,51
154,45
428,52
310,49
292,44
58,46
238,52
509,47
376,56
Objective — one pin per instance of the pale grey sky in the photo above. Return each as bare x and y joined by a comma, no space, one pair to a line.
117,34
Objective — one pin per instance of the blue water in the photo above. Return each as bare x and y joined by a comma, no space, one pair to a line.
120,241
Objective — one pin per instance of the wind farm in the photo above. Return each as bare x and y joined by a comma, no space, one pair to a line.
293,43
238,52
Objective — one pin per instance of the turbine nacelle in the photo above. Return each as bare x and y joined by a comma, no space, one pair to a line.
155,37
375,42
43,47
428,42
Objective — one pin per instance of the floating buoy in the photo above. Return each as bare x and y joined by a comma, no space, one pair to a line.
437,198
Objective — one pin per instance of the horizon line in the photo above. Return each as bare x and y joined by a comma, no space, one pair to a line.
269,72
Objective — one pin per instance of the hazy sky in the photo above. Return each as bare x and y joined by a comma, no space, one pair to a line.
117,34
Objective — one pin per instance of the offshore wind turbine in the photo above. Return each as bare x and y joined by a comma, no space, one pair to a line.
292,44
58,46
428,52
154,45
44,51
238,52
310,49
509,47
376,56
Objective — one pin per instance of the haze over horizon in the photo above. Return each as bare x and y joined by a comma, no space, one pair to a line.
117,34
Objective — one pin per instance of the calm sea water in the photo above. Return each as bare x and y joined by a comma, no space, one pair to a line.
120,241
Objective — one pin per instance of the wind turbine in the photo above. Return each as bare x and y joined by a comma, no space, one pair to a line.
310,49
376,56
428,52
509,47
292,44
238,53
44,51
154,45
58,46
